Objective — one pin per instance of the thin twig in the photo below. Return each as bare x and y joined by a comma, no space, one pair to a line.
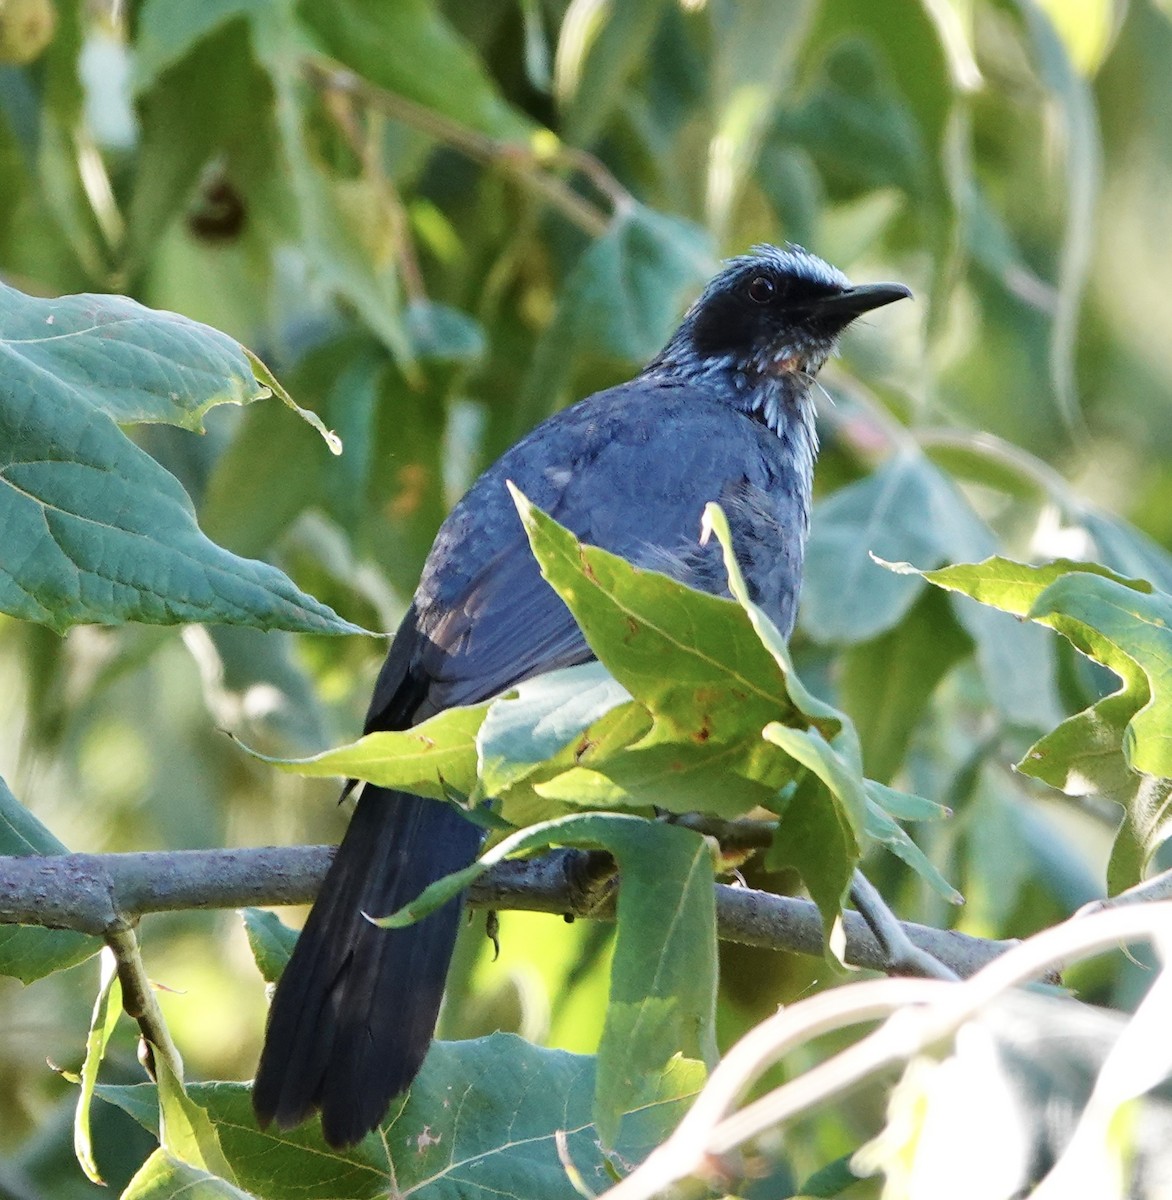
364,144
515,158
904,957
923,1012
1159,887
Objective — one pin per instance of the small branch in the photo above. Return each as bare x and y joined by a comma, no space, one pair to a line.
902,955
365,146
515,158
97,893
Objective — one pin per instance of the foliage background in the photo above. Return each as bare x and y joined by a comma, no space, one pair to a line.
438,222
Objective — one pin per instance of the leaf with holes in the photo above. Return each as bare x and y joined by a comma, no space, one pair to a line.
484,1117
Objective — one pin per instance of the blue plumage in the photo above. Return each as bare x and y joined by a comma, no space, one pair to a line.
723,413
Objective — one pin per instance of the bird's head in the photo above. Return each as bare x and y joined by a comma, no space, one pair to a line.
768,322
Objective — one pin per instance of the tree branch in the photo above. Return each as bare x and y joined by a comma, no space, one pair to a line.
98,893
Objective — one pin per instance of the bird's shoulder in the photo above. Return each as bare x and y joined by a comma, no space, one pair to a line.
638,446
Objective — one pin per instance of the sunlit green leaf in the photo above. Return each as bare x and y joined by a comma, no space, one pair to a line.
704,748
164,1177
270,940
1119,748
107,1010
185,1130
429,759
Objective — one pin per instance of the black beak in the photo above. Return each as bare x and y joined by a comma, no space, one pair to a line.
854,301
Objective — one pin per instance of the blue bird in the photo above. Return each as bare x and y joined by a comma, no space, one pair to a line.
723,413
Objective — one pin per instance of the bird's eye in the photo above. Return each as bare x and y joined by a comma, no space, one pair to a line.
761,289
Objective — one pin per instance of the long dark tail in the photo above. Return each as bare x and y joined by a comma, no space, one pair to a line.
355,1010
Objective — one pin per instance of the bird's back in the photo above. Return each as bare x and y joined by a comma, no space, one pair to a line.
630,470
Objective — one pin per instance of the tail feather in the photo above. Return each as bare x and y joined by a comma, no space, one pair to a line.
355,1010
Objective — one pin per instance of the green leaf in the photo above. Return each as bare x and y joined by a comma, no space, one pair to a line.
275,1164
163,1177
112,354
884,806
1011,586
596,54
882,110
107,1010
166,33
266,477
819,826
815,753
828,719
267,379
410,48
440,333
1083,162
663,975
185,1130
1119,623
482,1116
29,952
342,222
822,826
21,832
210,70
1127,550
752,70
270,940
856,122
107,535
906,510
697,665
1121,747
430,759
1016,661
541,717
707,677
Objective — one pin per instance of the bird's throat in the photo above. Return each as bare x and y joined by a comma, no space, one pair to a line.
780,402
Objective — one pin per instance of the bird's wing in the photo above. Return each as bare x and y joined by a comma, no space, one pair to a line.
632,482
